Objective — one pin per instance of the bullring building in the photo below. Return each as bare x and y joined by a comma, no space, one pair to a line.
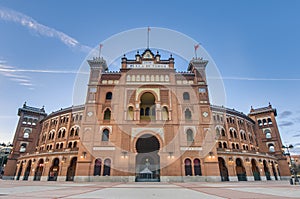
147,122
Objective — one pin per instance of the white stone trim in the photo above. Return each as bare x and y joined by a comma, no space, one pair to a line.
104,148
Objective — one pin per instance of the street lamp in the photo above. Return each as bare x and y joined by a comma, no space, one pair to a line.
286,152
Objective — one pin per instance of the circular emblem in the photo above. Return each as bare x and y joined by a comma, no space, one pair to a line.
205,114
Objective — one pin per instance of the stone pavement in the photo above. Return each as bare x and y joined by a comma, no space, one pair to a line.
192,190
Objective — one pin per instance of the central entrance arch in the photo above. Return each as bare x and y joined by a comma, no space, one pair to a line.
147,159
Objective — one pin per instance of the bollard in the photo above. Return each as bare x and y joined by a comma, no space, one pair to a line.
291,181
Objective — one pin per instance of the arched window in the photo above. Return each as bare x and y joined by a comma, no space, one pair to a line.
237,146
53,134
108,96
59,134
61,145
269,121
225,145
186,96
268,134
23,147
234,133
75,144
231,134
220,145
142,112
189,135
105,135
70,145
26,133
245,138
107,114
72,132
259,123
57,146
77,131
197,167
188,167
147,111
233,146
63,133
188,114
271,148
223,132
264,121
97,167
165,113
106,169
130,113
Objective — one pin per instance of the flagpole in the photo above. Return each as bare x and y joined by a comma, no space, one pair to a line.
100,47
148,36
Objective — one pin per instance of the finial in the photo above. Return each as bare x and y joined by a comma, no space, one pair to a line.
171,55
138,52
24,105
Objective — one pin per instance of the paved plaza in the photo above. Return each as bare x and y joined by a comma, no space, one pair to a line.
34,189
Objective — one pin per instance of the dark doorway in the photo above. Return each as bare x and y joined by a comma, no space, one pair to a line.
147,159
267,171
255,170
53,173
27,171
71,169
39,170
240,170
223,169
20,171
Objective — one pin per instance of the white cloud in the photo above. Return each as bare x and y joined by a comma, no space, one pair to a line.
12,74
28,22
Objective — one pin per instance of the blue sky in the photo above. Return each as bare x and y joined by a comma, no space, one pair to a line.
255,45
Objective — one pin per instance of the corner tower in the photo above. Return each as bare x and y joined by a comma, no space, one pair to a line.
26,136
268,137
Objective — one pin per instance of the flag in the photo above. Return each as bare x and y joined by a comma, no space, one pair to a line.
196,46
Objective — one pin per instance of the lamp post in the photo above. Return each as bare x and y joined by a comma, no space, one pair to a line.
286,152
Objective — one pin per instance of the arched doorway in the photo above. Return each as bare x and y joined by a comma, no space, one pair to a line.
97,167
267,171
106,168
223,169
53,172
39,170
147,107
27,170
147,159
255,170
71,169
197,167
274,171
188,167
20,171
240,170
